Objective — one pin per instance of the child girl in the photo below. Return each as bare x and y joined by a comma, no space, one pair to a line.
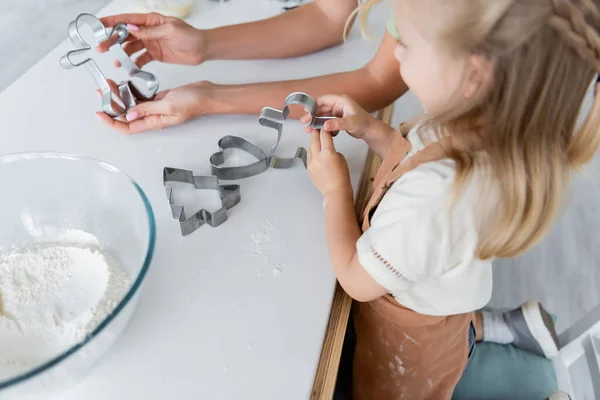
479,176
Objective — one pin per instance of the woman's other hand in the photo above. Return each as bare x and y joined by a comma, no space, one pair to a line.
168,108
158,38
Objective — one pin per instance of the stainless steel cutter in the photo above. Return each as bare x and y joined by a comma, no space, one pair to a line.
230,196
270,118
129,91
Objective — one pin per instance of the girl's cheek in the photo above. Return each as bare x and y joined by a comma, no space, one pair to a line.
405,71
398,53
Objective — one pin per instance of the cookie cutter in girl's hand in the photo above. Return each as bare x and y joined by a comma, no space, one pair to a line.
128,91
270,118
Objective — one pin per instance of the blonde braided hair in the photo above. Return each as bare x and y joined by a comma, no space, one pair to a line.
543,56
571,24
362,9
589,8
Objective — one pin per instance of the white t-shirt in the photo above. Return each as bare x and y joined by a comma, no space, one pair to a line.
419,249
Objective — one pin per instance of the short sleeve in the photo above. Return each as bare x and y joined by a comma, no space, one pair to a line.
413,236
391,26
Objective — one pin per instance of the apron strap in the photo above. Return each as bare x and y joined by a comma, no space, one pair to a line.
433,152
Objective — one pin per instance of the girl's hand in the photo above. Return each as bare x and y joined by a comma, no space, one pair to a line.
351,117
165,39
168,108
327,168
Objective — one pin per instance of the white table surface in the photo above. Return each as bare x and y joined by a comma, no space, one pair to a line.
214,321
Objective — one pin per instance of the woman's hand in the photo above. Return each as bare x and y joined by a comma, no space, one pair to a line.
327,168
165,39
351,117
168,108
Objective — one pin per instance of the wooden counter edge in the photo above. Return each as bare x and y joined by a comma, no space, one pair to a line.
331,352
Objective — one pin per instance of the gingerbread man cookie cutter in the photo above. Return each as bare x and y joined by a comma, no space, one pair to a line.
269,118
129,91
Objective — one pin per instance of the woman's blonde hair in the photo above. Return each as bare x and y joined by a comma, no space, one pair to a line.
363,7
544,54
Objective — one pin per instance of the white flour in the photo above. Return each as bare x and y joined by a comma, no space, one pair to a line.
268,245
53,294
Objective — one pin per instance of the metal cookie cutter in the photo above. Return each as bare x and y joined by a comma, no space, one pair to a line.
270,118
230,196
129,91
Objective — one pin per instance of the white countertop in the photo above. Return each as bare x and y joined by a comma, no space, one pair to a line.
31,28
214,321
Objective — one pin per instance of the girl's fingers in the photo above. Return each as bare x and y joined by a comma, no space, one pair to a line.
337,110
332,125
306,118
329,99
325,110
315,142
335,105
348,124
327,141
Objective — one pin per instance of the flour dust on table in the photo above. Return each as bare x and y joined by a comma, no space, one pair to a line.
268,246
52,295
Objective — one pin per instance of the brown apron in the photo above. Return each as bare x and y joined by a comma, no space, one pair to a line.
401,354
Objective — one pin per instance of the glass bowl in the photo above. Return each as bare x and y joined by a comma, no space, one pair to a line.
49,193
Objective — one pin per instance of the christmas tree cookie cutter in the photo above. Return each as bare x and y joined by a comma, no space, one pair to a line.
230,197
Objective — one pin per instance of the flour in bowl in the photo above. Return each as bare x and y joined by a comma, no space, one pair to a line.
52,295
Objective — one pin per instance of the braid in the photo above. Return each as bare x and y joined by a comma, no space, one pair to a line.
590,9
362,10
570,23
569,20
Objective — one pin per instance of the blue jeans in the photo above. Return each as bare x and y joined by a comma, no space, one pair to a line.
472,336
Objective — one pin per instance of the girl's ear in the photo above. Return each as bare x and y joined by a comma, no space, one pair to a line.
478,76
